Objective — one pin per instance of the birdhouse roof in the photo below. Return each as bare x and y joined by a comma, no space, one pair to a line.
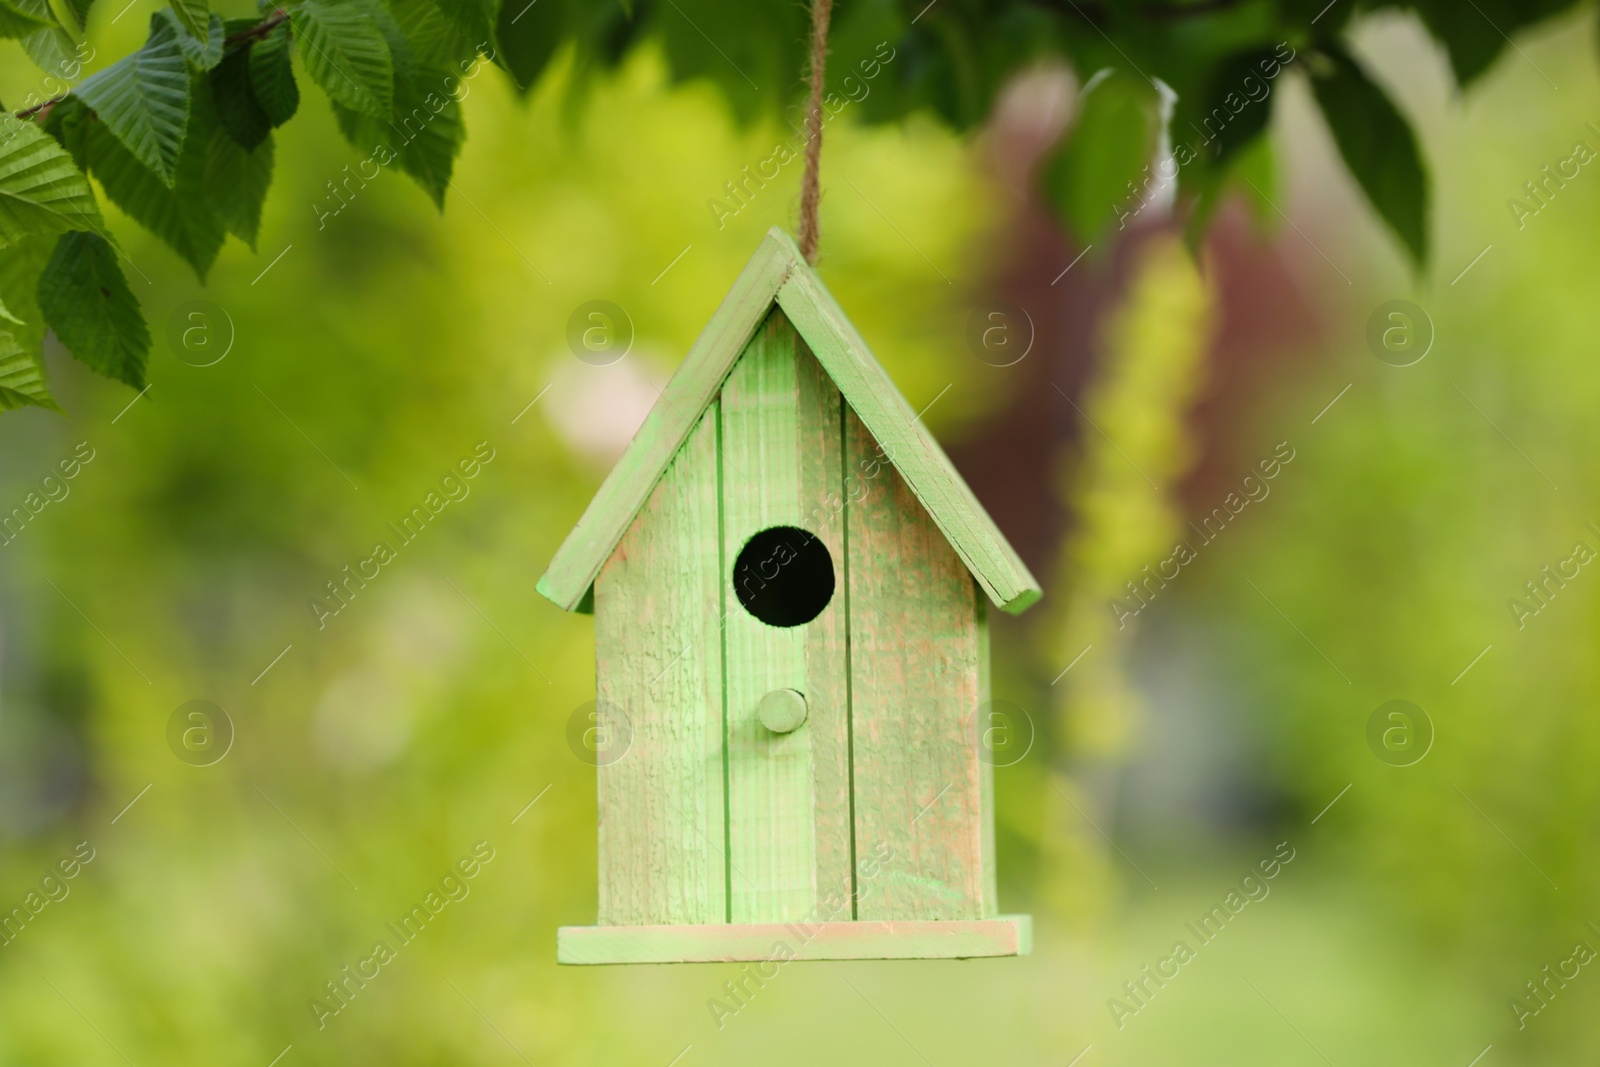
778,275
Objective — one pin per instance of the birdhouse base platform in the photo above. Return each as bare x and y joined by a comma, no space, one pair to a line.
922,939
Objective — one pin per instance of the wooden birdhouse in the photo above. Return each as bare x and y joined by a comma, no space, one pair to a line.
790,585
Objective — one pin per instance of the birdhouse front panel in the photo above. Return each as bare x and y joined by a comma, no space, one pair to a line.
791,588
847,603
658,658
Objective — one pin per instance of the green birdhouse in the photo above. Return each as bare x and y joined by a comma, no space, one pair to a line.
790,585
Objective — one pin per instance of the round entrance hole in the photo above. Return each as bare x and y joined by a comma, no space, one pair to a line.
784,576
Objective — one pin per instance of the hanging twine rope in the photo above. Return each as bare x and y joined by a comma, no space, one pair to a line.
810,192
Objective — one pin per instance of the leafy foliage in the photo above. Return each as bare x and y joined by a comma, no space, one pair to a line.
177,215
193,15
1377,145
346,54
79,10
179,132
21,377
272,77
1474,43
16,21
423,130
235,180
239,108
203,47
89,305
53,50
143,99
473,18
1115,140
41,192
20,268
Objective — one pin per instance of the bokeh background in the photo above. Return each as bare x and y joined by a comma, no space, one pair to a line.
1226,723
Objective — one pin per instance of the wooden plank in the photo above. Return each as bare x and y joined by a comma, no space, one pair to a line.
771,834
658,654
777,943
821,440
869,391
573,569
915,649
788,832
989,905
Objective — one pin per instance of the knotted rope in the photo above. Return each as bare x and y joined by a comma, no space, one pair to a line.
810,192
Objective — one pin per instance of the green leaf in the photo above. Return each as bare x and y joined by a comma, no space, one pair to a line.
272,77
68,121
203,50
345,53
424,132
739,51
427,120
1235,106
236,182
79,10
1252,173
22,382
54,51
88,304
1378,146
5,313
41,189
402,57
21,265
1255,174
50,47
529,32
433,37
194,16
19,19
144,99
179,215
1100,175
475,18
240,113
424,143
1472,35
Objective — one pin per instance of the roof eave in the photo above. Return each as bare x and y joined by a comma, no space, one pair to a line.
576,564
777,274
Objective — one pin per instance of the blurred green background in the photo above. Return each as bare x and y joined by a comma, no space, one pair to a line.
1230,716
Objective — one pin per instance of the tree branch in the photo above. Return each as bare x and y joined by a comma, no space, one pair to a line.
245,36
255,33
28,112
1096,13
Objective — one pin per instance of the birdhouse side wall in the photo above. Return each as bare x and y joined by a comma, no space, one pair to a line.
919,655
